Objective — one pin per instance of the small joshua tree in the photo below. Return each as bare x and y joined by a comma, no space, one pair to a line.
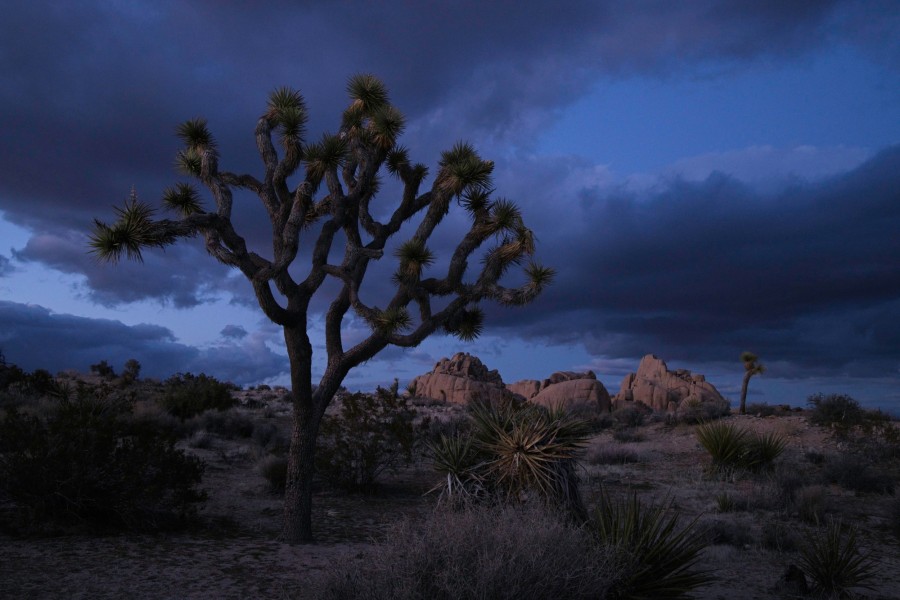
752,367
348,164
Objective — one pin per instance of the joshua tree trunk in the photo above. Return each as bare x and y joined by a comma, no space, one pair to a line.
743,407
752,367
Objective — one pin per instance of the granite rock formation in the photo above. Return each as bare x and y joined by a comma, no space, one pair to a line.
565,388
459,380
661,389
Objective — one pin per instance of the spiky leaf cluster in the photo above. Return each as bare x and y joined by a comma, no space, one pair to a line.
133,230
367,92
414,256
659,557
189,161
326,155
467,324
391,320
462,170
195,135
183,198
287,109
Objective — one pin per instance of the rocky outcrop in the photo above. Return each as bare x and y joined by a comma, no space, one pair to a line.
459,380
661,389
565,388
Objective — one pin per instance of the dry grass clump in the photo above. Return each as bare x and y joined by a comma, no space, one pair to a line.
612,454
505,553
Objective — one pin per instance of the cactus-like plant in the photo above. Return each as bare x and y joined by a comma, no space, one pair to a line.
338,177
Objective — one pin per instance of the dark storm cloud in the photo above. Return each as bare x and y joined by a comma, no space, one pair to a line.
702,270
92,91
5,266
33,337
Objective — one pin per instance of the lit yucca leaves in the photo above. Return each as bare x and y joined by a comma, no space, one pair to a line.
133,230
391,320
468,324
386,125
505,216
460,152
538,277
414,256
476,200
285,99
189,162
183,199
462,170
327,154
367,92
397,159
195,135
526,447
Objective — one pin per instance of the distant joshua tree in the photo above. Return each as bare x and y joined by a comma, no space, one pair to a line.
752,367
348,164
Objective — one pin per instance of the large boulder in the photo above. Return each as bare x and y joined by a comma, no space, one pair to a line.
565,388
459,380
661,389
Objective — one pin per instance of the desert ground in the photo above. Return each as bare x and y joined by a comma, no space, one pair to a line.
234,550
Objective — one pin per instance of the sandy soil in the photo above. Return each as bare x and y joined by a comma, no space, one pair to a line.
236,553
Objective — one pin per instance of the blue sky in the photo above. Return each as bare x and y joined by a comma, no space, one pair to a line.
707,177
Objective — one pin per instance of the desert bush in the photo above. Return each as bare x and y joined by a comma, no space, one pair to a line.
371,434
692,410
103,369
186,395
815,457
725,503
88,463
131,370
762,409
612,454
833,561
230,424
719,531
632,414
274,470
852,473
810,503
656,557
512,452
894,517
628,435
268,437
779,537
506,553
835,410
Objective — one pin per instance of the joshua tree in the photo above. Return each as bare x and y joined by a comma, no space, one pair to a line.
752,367
348,163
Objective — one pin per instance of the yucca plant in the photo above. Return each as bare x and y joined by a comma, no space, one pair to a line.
725,444
512,453
834,562
457,460
531,449
761,450
658,559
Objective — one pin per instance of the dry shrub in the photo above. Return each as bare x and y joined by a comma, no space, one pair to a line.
512,552
612,454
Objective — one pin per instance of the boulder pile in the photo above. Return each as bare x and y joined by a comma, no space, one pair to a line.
661,389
